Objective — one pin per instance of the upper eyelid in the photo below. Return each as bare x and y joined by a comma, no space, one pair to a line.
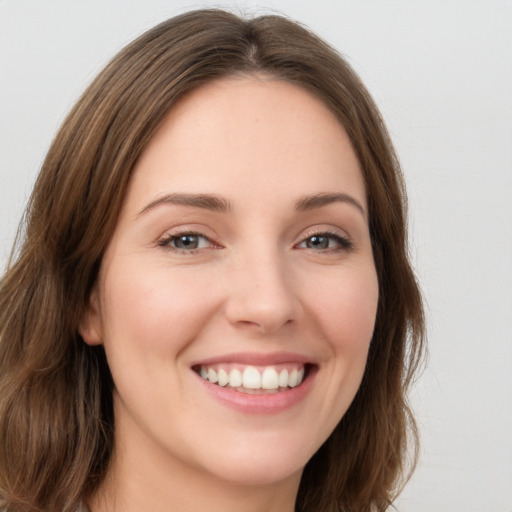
187,229
205,232
324,230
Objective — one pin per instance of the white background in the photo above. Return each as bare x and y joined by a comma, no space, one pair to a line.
441,71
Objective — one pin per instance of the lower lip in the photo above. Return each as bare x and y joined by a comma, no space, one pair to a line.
273,403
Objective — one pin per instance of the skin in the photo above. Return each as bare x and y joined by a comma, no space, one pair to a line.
256,284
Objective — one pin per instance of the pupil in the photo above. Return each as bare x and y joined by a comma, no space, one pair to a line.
318,242
187,242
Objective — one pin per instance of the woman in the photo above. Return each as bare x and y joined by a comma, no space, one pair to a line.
212,305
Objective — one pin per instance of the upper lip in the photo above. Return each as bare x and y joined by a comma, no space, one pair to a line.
256,359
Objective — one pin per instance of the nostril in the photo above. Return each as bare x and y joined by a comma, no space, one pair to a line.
264,323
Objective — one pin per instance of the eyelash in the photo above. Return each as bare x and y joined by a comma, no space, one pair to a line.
166,242
344,243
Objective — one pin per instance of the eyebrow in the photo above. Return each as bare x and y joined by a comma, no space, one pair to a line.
205,201
313,201
219,204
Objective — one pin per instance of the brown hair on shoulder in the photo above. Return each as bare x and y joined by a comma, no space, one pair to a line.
56,418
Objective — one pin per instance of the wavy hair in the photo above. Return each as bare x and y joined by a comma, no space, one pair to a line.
56,415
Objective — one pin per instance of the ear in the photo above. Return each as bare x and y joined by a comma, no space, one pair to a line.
90,325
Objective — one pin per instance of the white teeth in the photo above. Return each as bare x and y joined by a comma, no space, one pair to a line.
223,377
235,378
251,378
212,376
283,378
292,378
269,379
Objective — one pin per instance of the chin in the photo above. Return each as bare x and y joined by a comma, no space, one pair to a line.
262,459
259,472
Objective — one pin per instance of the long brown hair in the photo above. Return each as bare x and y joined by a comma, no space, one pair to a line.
56,419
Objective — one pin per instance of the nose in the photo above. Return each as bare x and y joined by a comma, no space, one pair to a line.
261,294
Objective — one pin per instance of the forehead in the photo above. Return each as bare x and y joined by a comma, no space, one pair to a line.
250,133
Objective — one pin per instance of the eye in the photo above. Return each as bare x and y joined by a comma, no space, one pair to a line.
327,242
185,242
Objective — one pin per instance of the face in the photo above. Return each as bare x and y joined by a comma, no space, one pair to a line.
237,298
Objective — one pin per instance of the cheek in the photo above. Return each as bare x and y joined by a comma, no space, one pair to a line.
155,309
347,309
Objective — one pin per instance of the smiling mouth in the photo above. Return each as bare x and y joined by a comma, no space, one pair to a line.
252,379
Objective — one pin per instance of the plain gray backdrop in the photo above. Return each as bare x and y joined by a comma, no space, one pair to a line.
441,72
